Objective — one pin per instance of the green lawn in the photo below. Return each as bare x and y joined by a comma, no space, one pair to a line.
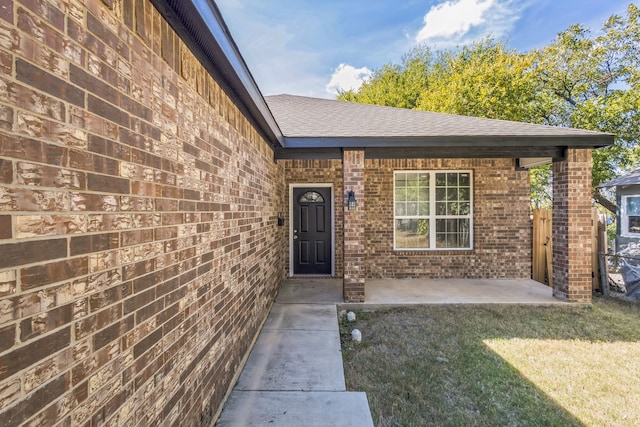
484,365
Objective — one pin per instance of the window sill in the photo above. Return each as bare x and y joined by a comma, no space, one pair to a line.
448,251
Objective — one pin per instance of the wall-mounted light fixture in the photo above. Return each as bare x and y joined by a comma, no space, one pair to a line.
351,200
280,220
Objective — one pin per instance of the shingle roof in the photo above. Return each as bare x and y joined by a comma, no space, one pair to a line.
305,118
628,179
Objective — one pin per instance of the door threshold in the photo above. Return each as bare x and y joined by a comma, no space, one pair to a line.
313,276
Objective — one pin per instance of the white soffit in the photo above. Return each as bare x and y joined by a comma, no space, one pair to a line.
530,162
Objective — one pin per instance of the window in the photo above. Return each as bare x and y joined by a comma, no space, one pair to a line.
311,197
630,215
433,210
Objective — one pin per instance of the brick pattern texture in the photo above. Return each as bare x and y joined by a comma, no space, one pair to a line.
355,240
137,221
572,227
315,172
502,229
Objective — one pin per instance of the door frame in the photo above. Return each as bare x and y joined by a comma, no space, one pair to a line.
333,228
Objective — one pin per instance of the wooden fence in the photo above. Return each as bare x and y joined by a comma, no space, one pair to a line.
543,246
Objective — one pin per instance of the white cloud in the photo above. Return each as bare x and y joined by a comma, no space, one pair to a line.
462,21
347,77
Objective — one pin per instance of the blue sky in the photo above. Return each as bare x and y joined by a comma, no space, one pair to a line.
312,47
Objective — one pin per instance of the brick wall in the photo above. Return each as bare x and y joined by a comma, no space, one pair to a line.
138,238
355,226
502,235
572,227
317,172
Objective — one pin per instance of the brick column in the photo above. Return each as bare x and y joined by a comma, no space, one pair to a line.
572,226
354,222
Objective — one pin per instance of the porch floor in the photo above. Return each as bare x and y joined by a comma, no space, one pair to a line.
380,292
458,291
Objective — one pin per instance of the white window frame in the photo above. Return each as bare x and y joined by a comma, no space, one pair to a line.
432,217
625,216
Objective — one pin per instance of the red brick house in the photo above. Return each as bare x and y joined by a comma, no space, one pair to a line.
151,202
438,195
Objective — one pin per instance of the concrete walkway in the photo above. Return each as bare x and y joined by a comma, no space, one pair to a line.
294,375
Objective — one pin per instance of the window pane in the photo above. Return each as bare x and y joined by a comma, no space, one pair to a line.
633,206
463,232
412,194
634,224
452,233
441,194
465,208
412,208
452,194
453,208
441,179
423,209
441,208
465,180
452,179
311,197
412,233
464,194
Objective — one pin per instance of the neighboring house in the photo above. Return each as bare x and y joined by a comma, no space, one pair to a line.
627,189
152,201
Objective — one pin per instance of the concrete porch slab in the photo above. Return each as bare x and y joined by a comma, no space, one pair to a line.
457,291
289,360
312,409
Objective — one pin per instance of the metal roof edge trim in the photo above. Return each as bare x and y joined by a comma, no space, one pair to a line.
201,22
571,141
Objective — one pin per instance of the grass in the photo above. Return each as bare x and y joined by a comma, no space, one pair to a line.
485,365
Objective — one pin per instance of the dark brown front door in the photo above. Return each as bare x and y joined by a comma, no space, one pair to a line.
311,230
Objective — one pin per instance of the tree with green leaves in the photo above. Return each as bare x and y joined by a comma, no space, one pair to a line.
482,80
579,80
594,83
396,85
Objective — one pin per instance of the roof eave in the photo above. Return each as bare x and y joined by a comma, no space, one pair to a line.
569,141
200,25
